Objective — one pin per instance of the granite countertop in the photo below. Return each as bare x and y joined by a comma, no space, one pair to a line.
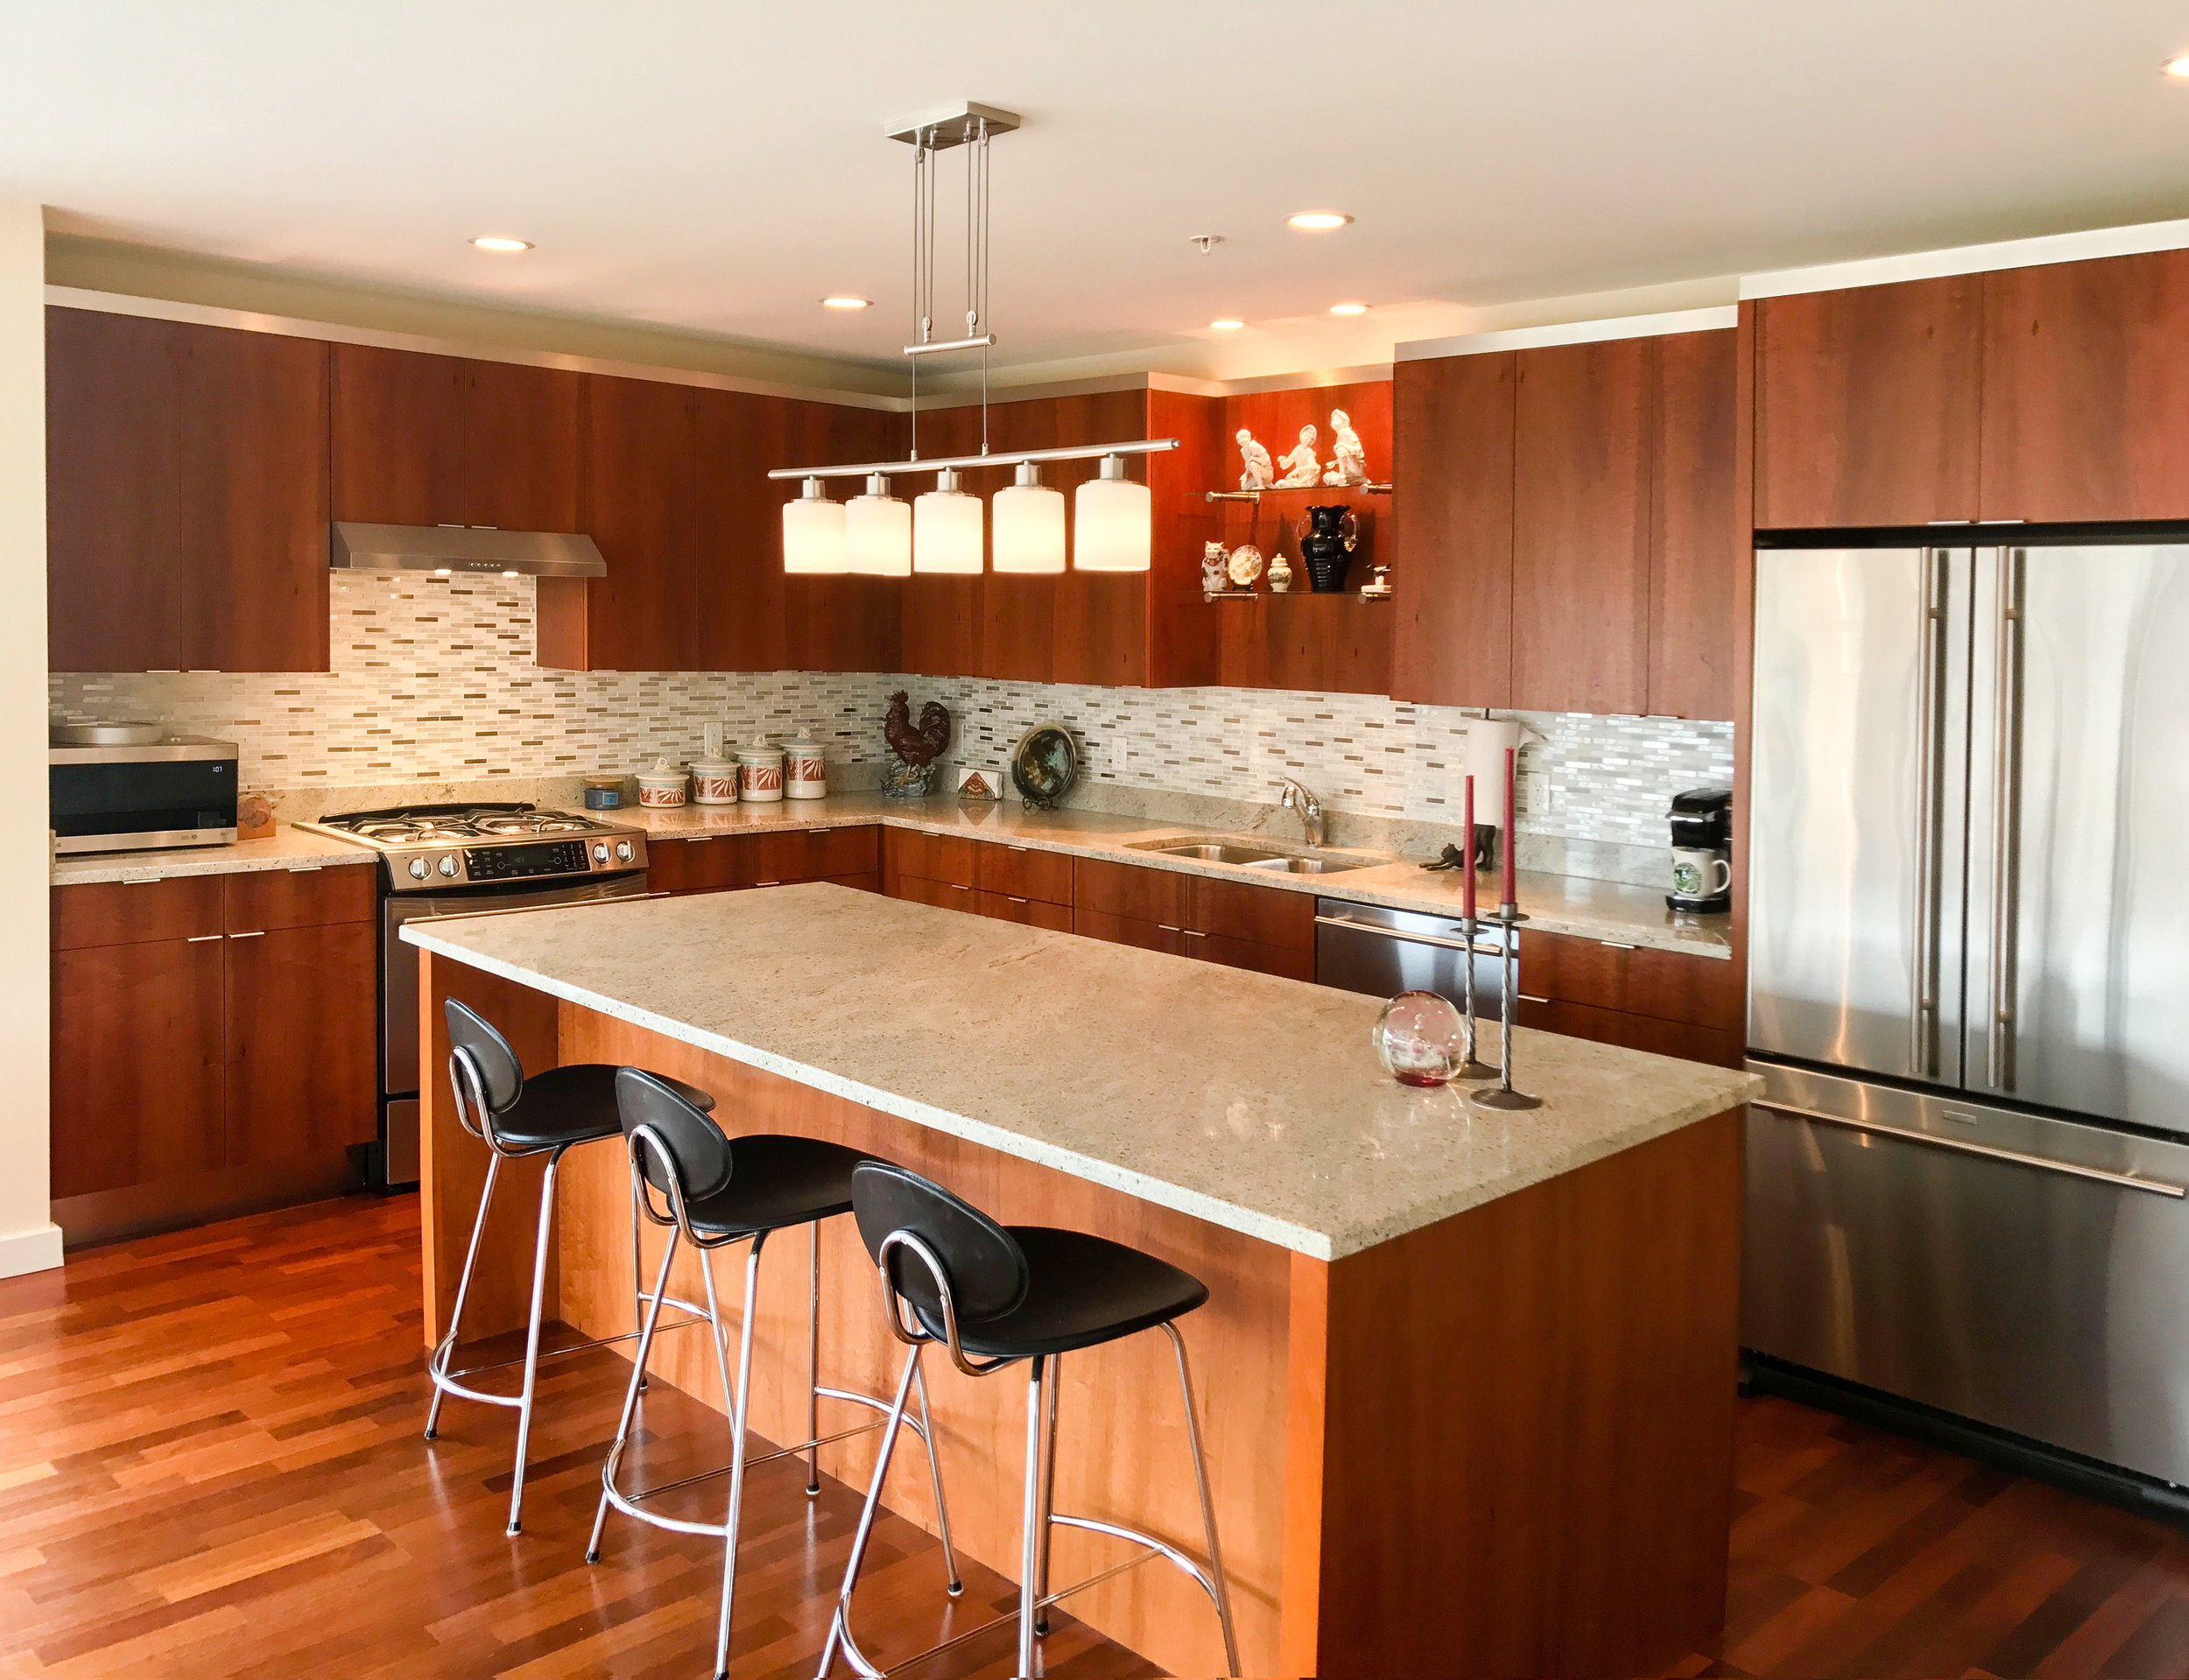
286,848
1253,1102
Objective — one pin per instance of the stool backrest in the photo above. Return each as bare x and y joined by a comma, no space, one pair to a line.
984,1263
500,1075
698,1149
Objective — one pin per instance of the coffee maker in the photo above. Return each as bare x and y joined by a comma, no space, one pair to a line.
1702,850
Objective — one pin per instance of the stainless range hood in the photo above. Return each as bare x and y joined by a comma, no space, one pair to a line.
451,549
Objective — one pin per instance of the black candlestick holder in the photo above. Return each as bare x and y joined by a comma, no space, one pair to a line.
1501,1095
1473,1067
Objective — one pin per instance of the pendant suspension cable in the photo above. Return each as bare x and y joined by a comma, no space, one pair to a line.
981,151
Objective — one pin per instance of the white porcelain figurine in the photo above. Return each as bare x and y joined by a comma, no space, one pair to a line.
1213,555
1256,460
1301,467
1348,463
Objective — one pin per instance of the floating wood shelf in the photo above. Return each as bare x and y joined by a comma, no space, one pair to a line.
1288,489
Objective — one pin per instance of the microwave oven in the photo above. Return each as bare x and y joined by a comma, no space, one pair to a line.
179,791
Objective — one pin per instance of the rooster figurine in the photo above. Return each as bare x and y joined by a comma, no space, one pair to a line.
916,747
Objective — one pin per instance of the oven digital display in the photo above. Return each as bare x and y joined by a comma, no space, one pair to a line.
524,862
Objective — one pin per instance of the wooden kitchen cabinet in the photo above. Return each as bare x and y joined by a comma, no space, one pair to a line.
1022,872
1661,1001
1237,924
1698,541
647,505
302,1041
187,491
727,862
1866,405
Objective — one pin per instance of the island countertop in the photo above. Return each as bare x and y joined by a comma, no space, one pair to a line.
1252,1102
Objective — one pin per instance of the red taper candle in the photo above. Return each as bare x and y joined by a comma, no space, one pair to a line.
1511,895
1467,885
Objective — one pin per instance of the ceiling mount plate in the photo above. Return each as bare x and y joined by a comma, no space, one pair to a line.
955,124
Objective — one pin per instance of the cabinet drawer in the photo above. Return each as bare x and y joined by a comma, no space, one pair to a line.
1124,929
866,881
1663,1037
1021,872
697,863
809,855
929,857
1287,960
1027,912
1702,991
943,895
1233,910
1131,891
138,912
272,898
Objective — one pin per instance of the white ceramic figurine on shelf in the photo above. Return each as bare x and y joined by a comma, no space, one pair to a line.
1301,467
1256,460
1348,463
1213,557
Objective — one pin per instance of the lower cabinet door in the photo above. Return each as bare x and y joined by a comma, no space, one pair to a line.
943,895
1127,930
302,1041
136,1063
1687,1042
1031,912
1288,961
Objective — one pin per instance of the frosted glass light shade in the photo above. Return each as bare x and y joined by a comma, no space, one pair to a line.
947,529
1114,516
1027,524
813,533
878,532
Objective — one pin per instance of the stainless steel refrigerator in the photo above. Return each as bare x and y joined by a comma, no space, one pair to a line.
1968,879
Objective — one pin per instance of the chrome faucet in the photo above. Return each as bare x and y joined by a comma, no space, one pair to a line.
1293,796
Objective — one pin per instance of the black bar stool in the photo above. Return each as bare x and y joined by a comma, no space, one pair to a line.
994,1295
718,1193
550,1114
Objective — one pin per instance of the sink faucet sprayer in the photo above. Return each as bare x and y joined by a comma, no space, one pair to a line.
1293,796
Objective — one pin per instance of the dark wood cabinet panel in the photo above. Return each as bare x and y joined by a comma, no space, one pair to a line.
1126,930
1338,644
702,863
941,626
810,854
1451,488
137,912
113,493
1287,961
302,1038
1182,630
919,889
1266,916
1021,872
740,598
645,506
397,432
2085,391
280,898
843,623
524,453
137,1062
1697,538
1646,1032
252,410
1131,891
1027,912
907,853
1701,991
1866,405
1583,463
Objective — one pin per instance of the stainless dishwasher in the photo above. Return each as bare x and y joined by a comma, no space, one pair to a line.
1366,948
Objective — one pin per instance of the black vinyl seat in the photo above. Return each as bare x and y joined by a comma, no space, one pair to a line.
779,1181
1082,1291
567,1105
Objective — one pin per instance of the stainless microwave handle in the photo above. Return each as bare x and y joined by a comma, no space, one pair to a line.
1382,932
1923,1020
1961,1146
2006,826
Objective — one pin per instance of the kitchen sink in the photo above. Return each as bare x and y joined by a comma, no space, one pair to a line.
1307,865
1245,856
1213,851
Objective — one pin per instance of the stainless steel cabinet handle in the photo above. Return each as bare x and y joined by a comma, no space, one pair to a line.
1923,1020
202,938
1989,1152
2006,826
1530,997
256,933
1617,944
1194,933
1015,901
1410,938
1166,927
767,883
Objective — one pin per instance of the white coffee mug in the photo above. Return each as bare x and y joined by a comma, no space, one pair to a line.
1698,874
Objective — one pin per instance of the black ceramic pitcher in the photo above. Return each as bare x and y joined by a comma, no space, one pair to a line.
1326,547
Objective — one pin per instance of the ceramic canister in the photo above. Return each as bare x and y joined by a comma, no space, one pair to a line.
806,776
714,781
660,788
760,774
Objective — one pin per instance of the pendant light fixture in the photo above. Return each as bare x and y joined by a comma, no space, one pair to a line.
1028,521
940,531
813,542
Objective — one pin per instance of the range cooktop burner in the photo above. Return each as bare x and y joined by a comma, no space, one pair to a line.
505,846
445,825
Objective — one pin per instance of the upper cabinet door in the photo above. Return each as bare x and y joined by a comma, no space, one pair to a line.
1452,494
645,507
398,435
1583,463
740,437
254,500
1866,405
2086,396
1697,545
113,504
522,462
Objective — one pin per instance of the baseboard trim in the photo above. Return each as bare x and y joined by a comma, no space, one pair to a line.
37,1249
202,1197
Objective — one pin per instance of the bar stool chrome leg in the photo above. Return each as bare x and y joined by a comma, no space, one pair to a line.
531,1339
737,1441
630,1393
812,1362
1220,1592
1031,1523
1050,1378
445,1351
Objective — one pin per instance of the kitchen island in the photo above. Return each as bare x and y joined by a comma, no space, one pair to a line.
1467,1376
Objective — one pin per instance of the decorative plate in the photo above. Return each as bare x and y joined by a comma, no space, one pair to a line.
1245,565
1045,764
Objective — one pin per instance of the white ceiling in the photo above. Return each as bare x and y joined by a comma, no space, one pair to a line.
718,166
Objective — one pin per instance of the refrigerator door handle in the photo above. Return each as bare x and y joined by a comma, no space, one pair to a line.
1923,1020
1989,1152
2006,824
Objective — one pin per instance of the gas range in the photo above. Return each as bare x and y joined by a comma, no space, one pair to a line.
434,849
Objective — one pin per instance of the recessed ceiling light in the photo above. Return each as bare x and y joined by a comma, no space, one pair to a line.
845,303
1227,326
2178,68
1349,309
500,243
1318,222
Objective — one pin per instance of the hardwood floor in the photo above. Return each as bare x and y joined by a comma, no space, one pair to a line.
210,1464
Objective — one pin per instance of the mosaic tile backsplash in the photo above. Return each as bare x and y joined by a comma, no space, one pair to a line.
435,681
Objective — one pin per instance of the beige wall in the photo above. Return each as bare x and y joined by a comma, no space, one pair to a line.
29,1239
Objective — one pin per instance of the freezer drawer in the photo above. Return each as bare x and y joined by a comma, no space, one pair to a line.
2027,1273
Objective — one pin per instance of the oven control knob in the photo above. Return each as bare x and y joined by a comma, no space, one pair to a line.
418,869
622,851
448,867
599,851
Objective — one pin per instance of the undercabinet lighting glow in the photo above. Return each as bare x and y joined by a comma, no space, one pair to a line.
1026,521
845,303
513,574
1349,309
947,529
1226,326
500,243
2177,67
814,540
441,571
1113,520
1318,222
878,532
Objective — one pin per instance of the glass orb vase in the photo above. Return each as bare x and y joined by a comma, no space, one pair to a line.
1420,1039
